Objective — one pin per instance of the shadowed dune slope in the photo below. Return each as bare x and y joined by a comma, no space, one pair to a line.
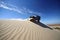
26,30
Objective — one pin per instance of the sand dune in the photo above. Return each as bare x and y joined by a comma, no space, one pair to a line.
26,30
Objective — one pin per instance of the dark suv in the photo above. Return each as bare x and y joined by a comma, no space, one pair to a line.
35,18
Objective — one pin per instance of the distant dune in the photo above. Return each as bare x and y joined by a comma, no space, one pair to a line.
54,24
26,30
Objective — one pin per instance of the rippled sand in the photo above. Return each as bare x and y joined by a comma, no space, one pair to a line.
26,30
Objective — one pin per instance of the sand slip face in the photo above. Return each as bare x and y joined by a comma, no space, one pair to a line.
25,30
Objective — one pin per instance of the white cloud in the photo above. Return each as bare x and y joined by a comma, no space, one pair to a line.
3,5
19,19
14,8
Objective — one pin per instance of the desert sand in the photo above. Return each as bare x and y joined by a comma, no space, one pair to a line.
26,30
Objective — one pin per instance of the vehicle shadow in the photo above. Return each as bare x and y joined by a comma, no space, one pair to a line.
42,25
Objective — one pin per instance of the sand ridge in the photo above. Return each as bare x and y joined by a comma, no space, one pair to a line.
25,30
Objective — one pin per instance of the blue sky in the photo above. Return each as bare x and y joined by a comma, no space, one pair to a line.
49,10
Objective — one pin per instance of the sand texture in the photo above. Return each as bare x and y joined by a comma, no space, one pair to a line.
26,30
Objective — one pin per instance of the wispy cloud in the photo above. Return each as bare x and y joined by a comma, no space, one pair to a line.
14,8
5,6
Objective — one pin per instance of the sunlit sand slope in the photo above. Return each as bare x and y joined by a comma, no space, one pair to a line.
26,30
